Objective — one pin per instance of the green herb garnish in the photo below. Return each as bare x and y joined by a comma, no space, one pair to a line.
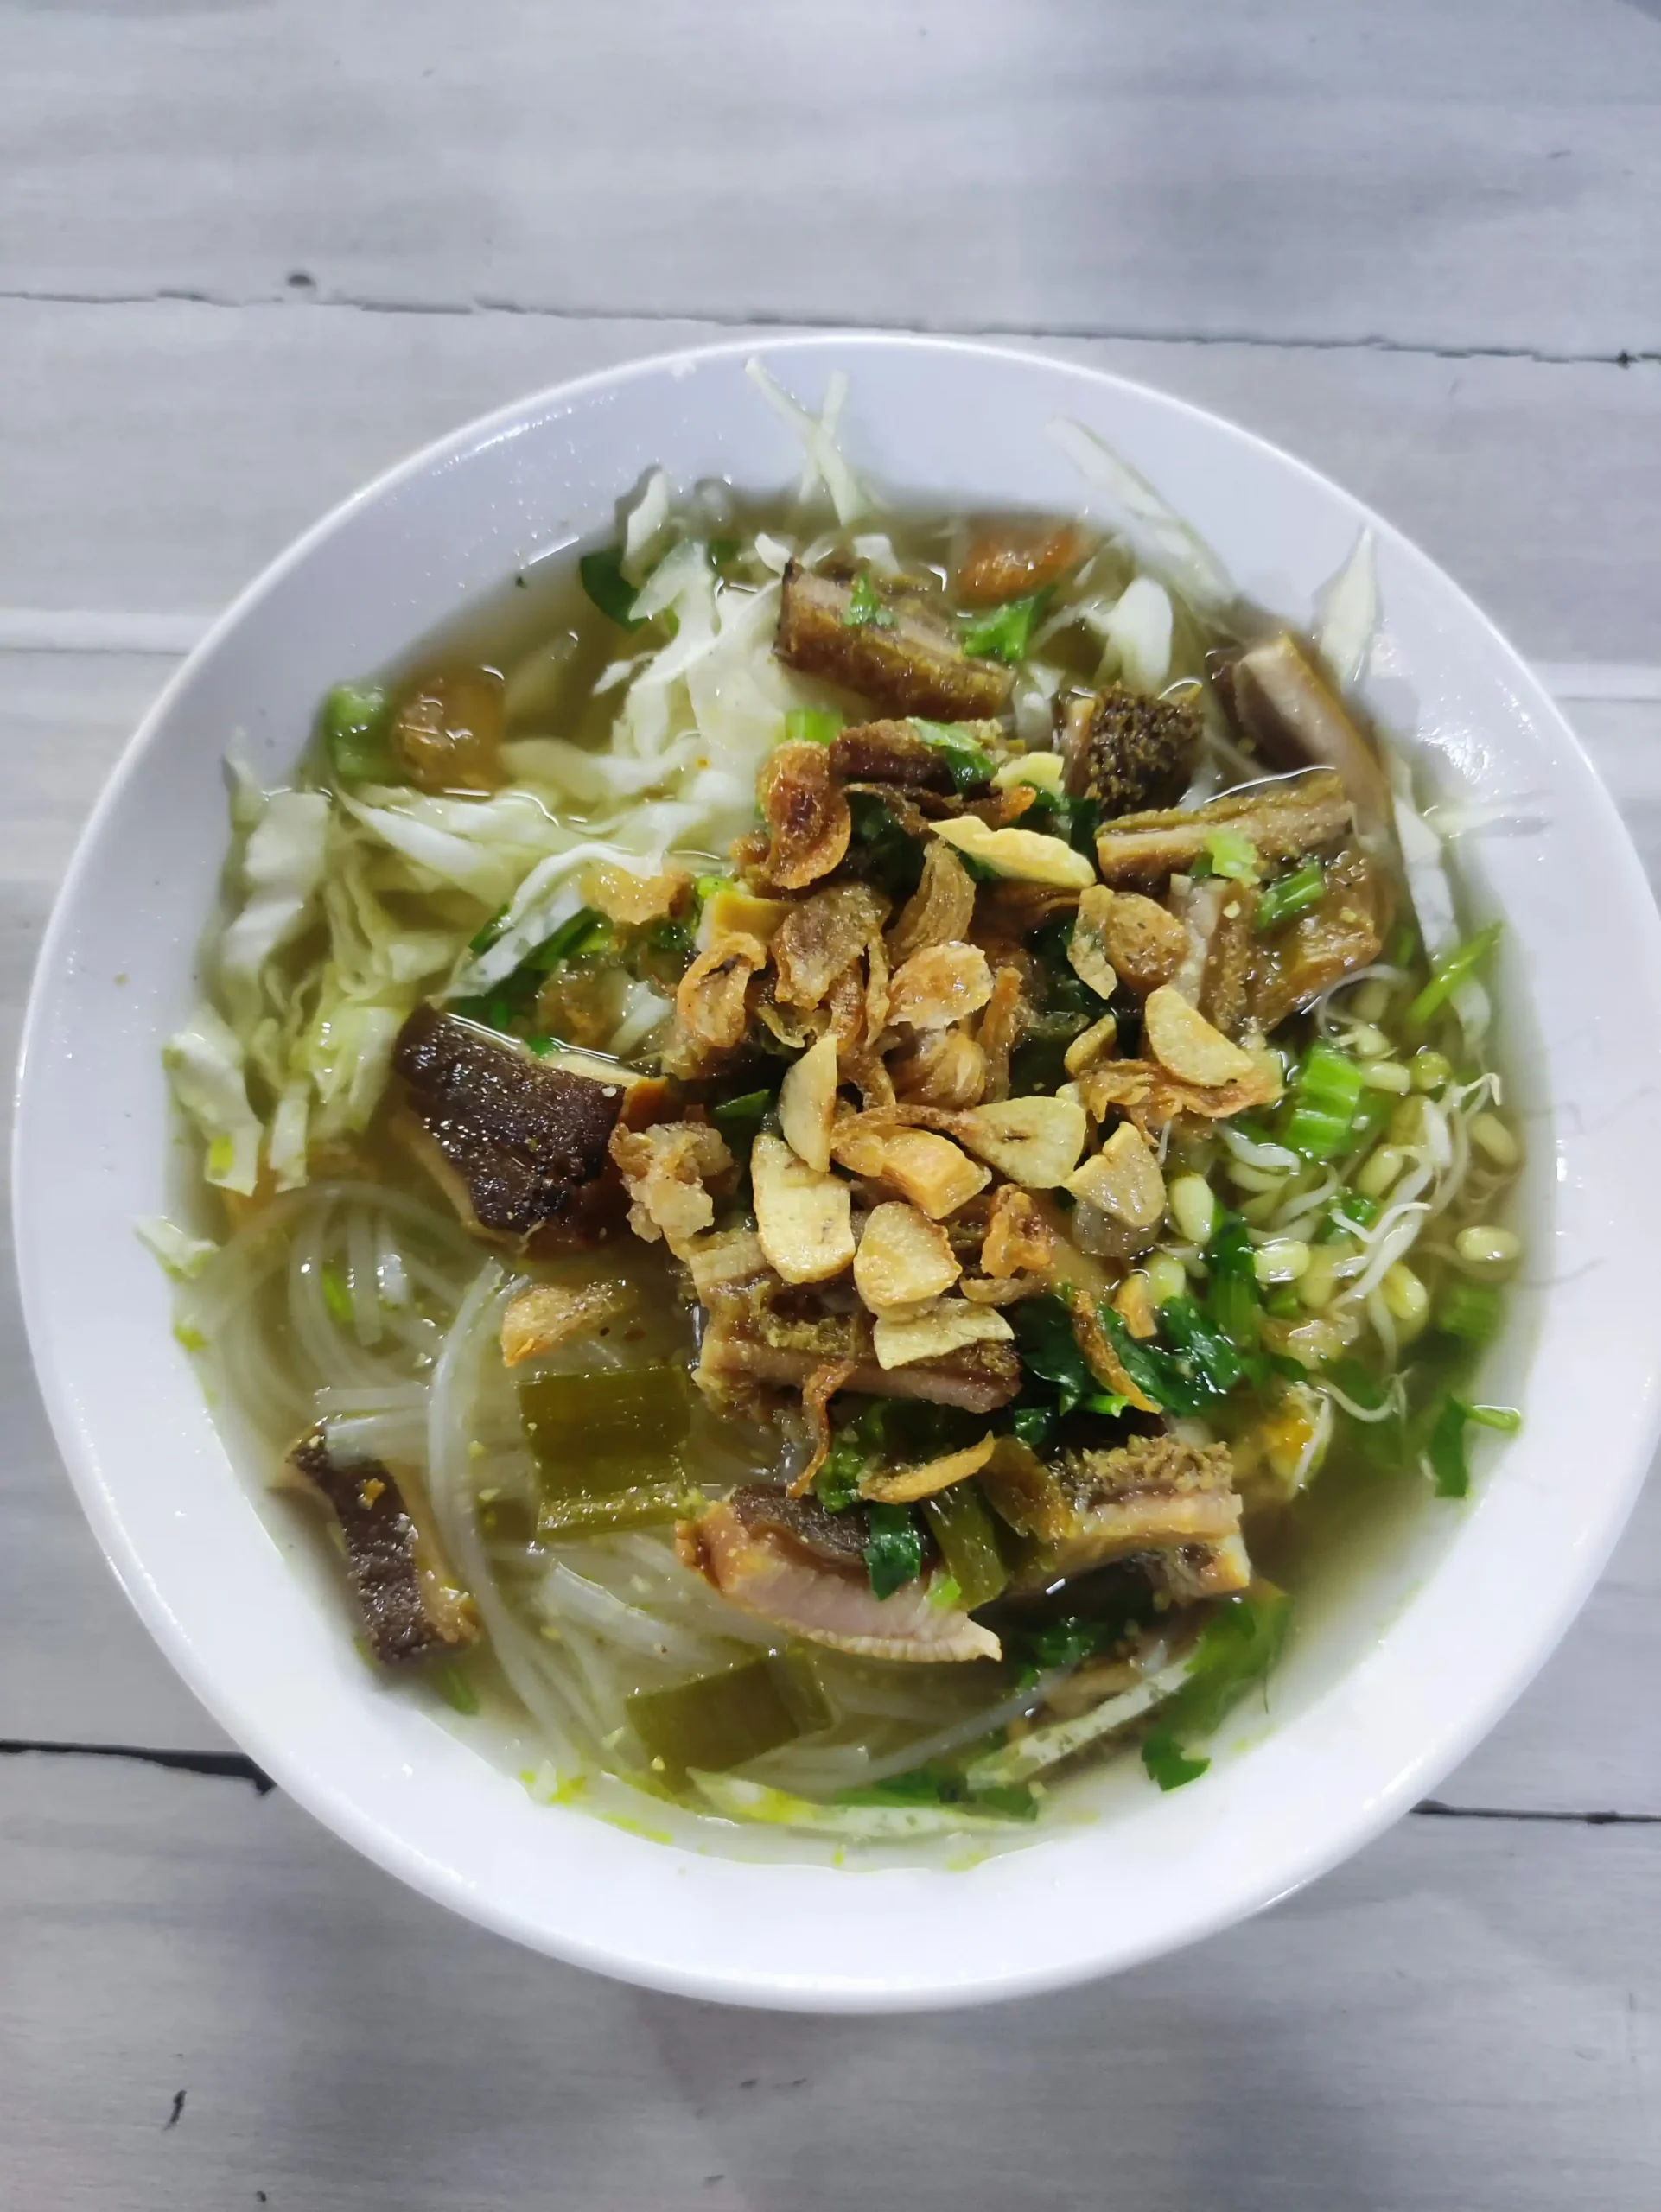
968,764
1446,1448
1453,969
1006,632
865,610
353,720
1291,895
1168,1764
894,1551
609,587
812,725
1326,1092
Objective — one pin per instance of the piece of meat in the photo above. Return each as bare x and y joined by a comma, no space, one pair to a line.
747,1341
412,1607
768,1572
1283,819
890,753
1285,708
545,1315
1015,556
828,1539
904,662
525,1142
1232,958
1344,932
1152,1494
1127,750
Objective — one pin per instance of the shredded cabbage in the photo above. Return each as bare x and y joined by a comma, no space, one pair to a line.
206,1060
1138,630
826,464
1156,534
283,868
1350,618
180,1253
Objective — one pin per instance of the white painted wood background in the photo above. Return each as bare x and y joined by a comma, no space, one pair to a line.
249,253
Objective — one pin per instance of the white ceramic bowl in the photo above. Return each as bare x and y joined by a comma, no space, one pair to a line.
1411,1655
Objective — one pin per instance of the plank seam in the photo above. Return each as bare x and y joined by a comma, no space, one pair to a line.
762,319
236,1766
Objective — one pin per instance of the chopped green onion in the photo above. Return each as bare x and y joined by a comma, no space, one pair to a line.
1453,969
812,725
1282,1303
454,1686
967,1540
968,763
1349,1211
579,934
1326,1092
1470,1311
609,587
542,1046
353,720
492,930
1291,895
723,551
739,1120
1233,854
894,1551
1233,1296
1168,1764
1446,1450
1006,633
1506,1419
865,609
337,1294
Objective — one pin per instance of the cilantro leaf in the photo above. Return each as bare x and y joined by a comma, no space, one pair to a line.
1168,1764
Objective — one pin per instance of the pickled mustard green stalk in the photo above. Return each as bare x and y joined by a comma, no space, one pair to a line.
963,1530
607,1430
718,1721
643,1505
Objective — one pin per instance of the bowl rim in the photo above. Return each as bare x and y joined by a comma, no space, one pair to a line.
279,1748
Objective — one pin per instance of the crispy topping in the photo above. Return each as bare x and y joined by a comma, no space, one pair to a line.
1019,1239
904,1260
942,1067
545,1315
821,1386
822,937
1123,1179
903,660
939,985
1096,1043
925,1167
632,900
712,1003
1087,952
803,1217
1186,1045
1128,750
941,908
664,1170
1145,945
806,812
1024,856
807,1102
905,1485
948,1327
1034,1141
1008,560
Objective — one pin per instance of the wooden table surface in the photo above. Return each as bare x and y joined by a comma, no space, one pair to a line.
251,252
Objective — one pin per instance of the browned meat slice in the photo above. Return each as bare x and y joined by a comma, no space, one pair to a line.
1127,750
748,1341
767,1570
519,1144
903,660
1287,709
1344,932
1153,1494
890,753
411,1608
1020,554
1284,819
833,1539
1232,959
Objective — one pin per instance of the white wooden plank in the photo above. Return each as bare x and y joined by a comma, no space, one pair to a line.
1464,2016
74,1665
156,457
1411,176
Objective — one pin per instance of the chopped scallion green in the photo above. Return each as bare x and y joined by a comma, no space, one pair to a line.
812,725
1291,895
865,609
1326,1092
1006,632
609,587
1453,969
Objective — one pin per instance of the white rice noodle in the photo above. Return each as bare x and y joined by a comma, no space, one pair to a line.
563,1596
363,1275
1162,541
826,464
920,1750
1349,618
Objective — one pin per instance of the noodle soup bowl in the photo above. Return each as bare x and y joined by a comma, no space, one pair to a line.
1422,1628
